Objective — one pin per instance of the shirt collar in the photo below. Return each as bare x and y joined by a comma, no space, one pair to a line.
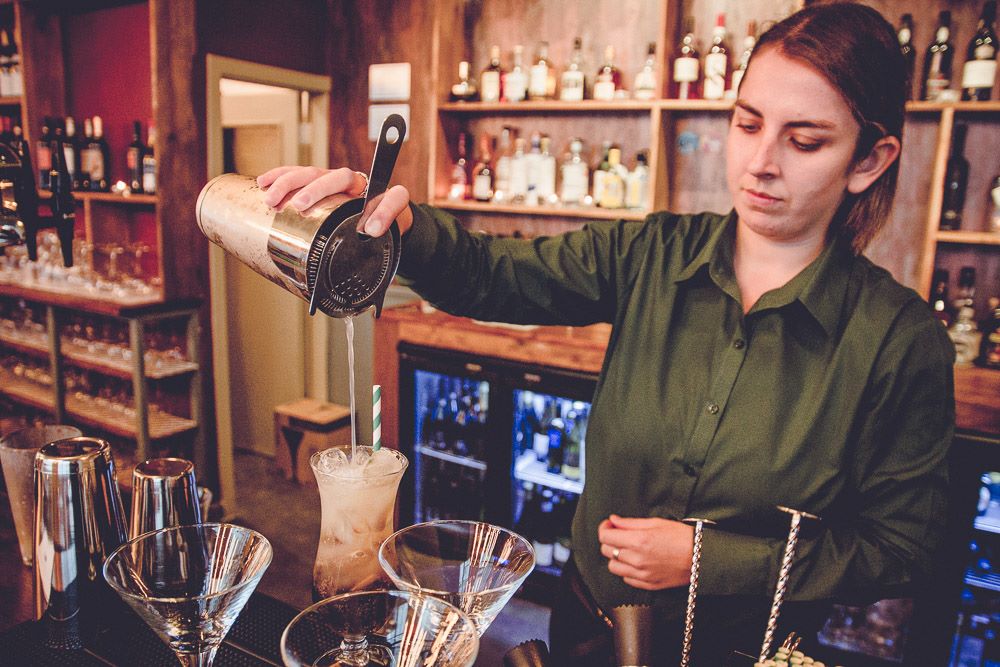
820,287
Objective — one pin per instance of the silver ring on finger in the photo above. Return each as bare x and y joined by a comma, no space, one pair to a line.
365,177
615,552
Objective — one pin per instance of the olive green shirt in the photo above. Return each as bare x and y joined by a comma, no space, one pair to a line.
832,395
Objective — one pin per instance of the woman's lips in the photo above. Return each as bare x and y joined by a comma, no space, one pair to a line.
760,198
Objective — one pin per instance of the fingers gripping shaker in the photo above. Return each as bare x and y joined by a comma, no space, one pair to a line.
322,255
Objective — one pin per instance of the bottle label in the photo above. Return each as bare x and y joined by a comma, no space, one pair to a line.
482,187
572,86
574,183
686,70
979,73
538,85
489,86
604,90
514,86
715,76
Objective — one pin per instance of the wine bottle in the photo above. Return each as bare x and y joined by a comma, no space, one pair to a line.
955,179
905,35
43,155
491,78
133,158
149,162
937,62
687,64
717,62
980,70
573,82
482,172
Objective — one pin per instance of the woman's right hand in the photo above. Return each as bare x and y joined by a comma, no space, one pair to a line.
303,187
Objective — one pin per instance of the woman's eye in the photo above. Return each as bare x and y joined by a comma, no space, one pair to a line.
807,146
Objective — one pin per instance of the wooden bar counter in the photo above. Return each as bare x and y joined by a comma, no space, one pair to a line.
977,390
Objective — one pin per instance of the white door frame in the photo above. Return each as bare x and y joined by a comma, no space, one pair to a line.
317,329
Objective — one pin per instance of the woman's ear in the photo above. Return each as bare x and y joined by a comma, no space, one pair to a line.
867,170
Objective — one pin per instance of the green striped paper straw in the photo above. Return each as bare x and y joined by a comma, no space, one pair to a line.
376,417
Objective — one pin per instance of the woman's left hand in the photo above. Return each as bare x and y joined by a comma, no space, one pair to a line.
651,554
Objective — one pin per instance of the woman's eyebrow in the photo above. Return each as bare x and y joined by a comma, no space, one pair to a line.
815,124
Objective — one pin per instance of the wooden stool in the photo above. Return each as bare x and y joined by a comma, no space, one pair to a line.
306,426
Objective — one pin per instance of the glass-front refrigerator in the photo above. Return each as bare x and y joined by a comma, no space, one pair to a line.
496,441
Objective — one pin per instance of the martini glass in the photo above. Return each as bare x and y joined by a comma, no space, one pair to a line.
473,565
379,629
189,583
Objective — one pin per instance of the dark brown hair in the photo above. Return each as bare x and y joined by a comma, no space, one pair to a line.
856,49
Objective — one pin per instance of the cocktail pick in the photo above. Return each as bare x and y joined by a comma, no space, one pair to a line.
699,529
782,586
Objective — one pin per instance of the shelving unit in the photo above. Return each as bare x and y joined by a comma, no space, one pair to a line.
911,246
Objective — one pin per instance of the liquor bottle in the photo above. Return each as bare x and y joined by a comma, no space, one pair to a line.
717,62
939,301
545,183
533,161
542,81
491,78
501,170
937,62
613,193
515,82
686,64
465,89
989,352
905,35
15,76
459,186
519,172
741,67
575,176
980,69
574,445
600,174
645,79
86,154
70,143
100,159
43,155
482,172
133,158
637,184
573,82
149,162
956,177
608,81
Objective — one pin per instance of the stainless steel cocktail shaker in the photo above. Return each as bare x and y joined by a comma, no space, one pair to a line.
79,520
322,255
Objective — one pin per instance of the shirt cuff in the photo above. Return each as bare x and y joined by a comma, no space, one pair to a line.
735,564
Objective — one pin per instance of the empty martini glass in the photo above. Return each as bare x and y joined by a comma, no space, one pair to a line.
379,629
189,583
473,565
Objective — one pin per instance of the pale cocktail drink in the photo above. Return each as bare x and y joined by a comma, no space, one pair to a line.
357,499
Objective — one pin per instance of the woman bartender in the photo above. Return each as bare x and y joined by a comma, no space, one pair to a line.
756,358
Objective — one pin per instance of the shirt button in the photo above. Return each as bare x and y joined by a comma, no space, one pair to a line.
712,408
690,470
739,343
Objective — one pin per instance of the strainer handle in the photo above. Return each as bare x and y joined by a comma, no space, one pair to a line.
390,140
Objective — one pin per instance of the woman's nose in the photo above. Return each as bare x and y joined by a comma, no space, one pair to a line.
763,161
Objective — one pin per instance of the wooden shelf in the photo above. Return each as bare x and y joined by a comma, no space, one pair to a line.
69,298
590,212
973,238
10,101
108,197
161,425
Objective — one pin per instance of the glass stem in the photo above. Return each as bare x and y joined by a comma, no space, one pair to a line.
203,659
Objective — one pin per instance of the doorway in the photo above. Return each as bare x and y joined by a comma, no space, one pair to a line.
266,348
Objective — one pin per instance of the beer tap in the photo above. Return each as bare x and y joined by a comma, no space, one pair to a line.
20,220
